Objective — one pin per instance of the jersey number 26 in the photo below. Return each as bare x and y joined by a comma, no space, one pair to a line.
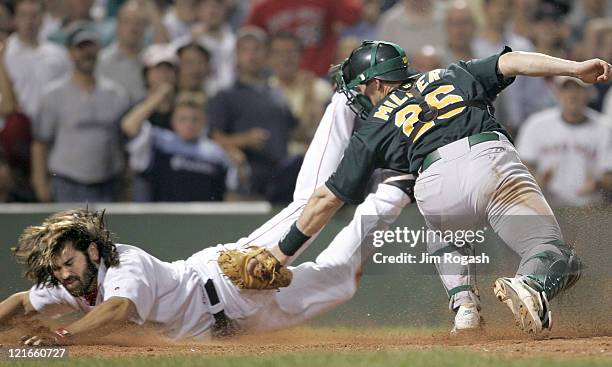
408,117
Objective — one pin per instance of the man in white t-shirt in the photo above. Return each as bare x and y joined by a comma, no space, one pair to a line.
79,269
31,64
569,148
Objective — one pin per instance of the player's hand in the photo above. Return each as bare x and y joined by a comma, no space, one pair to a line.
594,71
40,340
42,336
44,339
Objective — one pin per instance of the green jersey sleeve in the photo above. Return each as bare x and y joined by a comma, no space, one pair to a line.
349,182
486,72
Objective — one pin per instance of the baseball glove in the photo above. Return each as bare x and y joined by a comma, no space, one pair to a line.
268,273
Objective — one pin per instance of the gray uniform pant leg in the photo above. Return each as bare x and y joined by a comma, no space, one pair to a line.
469,187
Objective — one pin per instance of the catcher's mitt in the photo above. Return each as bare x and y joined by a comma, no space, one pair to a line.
267,274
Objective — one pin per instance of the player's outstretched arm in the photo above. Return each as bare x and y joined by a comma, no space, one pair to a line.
321,207
536,64
16,305
105,318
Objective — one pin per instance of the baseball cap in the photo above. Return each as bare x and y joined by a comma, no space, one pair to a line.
81,33
252,32
159,54
563,80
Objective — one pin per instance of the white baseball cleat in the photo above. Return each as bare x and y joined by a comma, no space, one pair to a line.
467,319
530,308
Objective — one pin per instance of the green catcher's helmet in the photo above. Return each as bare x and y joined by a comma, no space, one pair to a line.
372,60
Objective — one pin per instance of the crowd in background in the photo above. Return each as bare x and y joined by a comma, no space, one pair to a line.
210,100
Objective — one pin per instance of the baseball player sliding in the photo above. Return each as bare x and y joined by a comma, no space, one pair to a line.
77,267
441,126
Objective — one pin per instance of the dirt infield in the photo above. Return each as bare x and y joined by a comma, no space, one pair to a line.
138,343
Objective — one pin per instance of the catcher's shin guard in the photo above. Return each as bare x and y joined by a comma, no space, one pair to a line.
557,271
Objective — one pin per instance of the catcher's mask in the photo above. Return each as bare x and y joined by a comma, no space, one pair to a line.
372,60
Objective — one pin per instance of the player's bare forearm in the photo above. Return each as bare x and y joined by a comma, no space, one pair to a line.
105,318
321,207
16,305
536,64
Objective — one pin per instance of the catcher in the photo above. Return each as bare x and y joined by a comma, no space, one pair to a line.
217,291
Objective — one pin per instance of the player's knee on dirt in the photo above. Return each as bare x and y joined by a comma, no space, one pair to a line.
554,267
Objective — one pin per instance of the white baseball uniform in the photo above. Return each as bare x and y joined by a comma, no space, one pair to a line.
172,294
572,152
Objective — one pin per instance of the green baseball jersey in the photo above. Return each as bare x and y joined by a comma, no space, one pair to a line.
393,137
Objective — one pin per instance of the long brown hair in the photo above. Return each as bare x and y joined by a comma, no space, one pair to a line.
38,245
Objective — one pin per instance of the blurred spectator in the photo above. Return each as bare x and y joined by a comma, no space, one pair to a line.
120,61
346,45
15,140
306,93
31,64
6,22
26,66
15,129
237,13
495,32
77,134
549,35
157,30
9,190
179,19
8,100
550,31
606,54
427,59
6,181
414,24
511,106
194,67
160,74
523,17
366,28
251,115
313,22
53,18
598,44
569,148
182,164
77,12
460,31
607,108
584,11
214,34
